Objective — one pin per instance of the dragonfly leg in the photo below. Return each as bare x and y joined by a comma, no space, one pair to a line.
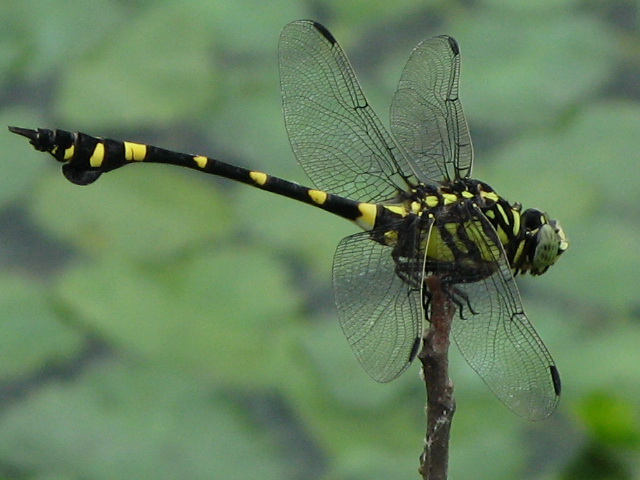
460,299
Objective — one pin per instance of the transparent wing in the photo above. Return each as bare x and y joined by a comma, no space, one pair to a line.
334,133
496,338
426,114
380,314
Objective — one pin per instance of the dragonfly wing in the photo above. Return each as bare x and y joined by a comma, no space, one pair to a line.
380,314
334,133
426,114
496,338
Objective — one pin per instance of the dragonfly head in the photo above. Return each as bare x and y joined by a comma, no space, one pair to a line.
544,239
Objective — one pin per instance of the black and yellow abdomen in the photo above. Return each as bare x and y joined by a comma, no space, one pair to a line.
85,158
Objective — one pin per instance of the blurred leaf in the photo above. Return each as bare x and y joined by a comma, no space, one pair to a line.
596,463
373,464
341,377
611,420
356,15
599,262
520,8
11,46
294,227
121,422
17,172
154,69
259,22
219,312
587,164
602,358
48,42
145,212
533,171
312,389
250,124
521,71
602,145
470,455
32,335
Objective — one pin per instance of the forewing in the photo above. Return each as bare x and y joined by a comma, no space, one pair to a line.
380,314
426,114
497,339
334,133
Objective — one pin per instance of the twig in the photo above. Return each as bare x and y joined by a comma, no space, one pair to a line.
441,405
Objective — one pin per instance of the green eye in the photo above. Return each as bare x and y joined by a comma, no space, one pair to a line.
547,249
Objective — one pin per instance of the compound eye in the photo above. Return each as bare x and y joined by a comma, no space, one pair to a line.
547,248
532,219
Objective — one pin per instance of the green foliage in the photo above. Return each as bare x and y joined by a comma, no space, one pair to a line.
540,65
613,420
32,333
221,354
125,421
159,69
181,319
137,214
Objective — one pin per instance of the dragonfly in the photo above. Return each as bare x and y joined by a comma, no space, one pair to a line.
410,193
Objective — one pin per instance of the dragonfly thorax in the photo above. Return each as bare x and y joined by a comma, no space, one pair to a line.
460,226
426,197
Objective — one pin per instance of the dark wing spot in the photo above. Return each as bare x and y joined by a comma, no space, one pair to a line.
325,33
452,44
414,349
555,376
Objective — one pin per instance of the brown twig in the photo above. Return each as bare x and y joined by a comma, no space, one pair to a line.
441,405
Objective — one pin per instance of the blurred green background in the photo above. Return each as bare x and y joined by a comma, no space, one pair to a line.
161,324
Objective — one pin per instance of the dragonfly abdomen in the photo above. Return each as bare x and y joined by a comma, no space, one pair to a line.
85,158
